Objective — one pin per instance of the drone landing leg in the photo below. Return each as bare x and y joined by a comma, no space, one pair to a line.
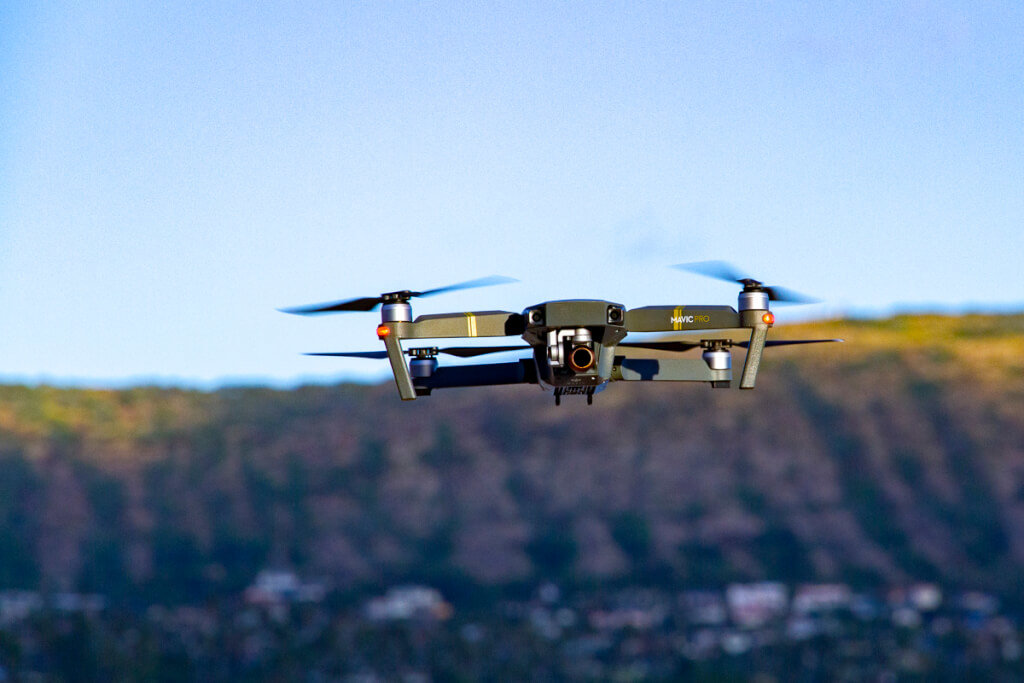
590,397
754,350
558,397
401,371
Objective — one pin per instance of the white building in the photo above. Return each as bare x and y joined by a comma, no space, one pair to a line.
821,597
408,602
754,604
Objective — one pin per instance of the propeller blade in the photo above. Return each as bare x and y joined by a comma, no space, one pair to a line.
788,296
458,351
716,269
352,354
661,346
469,284
725,271
363,304
370,303
790,342
472,351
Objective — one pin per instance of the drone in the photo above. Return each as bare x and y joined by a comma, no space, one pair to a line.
576,346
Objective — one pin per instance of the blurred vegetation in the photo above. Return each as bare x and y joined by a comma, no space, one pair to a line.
895,455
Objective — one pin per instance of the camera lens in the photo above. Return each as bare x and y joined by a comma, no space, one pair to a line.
581,358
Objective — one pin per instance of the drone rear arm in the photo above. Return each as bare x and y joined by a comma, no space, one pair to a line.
666,370
488,374
396,356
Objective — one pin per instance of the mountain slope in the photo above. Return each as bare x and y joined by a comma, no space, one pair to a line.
896,456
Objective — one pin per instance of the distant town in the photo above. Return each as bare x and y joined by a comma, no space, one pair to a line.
287,626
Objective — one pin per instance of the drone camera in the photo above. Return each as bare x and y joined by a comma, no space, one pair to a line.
535,316
616,315
581,354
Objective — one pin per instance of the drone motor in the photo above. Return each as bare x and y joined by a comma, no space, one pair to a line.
753,300
400,311
422,367
718,358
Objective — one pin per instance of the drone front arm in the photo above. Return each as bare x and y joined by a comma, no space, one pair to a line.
446,325
691,318
681,318
472,324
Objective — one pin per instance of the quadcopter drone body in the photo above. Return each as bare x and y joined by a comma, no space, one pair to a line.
576,345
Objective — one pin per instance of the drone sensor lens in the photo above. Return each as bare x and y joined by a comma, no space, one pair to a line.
581,359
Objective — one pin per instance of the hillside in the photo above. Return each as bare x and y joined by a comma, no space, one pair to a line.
896,456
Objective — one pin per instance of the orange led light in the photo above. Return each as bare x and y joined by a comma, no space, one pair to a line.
768,318
383,331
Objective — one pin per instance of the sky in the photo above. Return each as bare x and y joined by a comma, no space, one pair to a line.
173,173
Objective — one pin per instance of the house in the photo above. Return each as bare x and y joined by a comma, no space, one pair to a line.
754,604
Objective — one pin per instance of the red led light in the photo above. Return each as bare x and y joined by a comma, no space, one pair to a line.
768,318
383,331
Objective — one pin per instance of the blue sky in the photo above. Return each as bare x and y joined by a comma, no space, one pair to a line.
171,174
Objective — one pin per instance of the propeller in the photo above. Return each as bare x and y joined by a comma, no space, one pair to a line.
370,303
680,346
791,342
677,346
473,351
725,271
458,351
